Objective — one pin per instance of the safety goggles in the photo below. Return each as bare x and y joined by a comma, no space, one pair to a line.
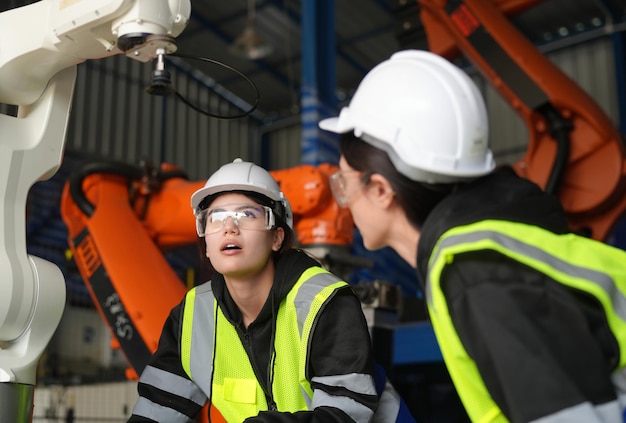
245,216
341,189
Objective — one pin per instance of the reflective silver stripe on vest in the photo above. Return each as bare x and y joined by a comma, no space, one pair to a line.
201,360
388,405
173,384
603,280
356,410
586,413
355,382
158,413
619,381
307,293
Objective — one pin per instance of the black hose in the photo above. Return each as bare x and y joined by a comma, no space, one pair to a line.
132,172
559,128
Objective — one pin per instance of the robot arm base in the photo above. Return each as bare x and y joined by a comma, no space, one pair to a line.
18,358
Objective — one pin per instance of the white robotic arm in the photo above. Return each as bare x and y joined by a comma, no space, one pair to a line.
40,46
38,40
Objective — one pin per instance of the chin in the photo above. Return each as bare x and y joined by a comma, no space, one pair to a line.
225,268
372,245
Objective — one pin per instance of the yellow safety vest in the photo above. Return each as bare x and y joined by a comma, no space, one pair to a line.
577,262
232,385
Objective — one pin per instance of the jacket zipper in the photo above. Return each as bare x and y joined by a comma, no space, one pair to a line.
269,397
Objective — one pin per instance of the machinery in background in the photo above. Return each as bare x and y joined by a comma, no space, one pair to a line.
40,47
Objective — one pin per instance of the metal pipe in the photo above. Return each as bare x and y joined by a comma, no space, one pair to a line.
16,402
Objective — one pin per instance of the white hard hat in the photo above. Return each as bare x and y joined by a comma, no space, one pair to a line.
426,113
245,176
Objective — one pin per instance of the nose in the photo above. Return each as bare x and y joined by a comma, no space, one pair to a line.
230,225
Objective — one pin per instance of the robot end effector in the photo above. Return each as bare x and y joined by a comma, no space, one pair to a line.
146,32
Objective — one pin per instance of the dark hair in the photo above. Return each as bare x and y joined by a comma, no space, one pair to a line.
416,198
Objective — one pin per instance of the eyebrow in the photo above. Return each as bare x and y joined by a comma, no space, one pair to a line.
240,207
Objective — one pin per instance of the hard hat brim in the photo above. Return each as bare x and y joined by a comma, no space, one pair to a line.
336,125
202,193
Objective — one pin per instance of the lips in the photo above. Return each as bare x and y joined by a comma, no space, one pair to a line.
229,246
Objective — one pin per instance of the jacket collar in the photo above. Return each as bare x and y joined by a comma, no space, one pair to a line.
289,266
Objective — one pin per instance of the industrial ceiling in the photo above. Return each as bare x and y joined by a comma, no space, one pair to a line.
366,32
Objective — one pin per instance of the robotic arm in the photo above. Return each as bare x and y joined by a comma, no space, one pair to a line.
45,37
40,46
574,150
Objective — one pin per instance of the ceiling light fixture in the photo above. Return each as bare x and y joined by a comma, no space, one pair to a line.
249,44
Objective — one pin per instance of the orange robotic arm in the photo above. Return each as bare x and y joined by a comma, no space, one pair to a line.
318,219
574,150
119,255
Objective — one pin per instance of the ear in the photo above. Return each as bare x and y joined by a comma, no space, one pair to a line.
279,237
380,190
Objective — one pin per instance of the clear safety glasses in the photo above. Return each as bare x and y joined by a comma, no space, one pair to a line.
245,216
341,189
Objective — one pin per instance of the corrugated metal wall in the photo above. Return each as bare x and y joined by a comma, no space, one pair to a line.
282,143
114,118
